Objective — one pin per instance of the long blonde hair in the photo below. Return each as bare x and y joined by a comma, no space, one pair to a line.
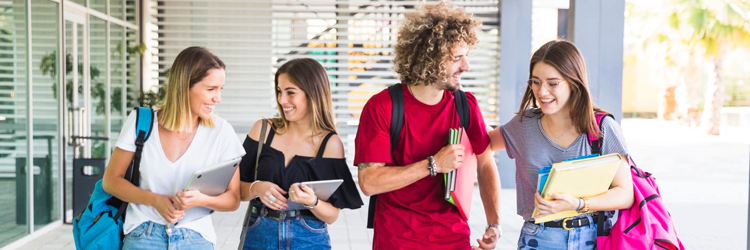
189,68
311,78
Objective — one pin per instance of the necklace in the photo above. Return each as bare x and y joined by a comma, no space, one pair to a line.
561,134
186,137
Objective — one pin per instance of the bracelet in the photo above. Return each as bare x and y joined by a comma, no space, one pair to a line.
431,166
586,206
250,190
579,204
313,205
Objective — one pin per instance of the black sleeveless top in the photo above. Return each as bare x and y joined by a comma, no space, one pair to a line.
301,168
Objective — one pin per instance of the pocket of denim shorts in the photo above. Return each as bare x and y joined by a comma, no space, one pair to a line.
138,232
313,225
529,228
253,221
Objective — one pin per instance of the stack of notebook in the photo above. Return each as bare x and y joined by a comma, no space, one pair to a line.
584,176
459,183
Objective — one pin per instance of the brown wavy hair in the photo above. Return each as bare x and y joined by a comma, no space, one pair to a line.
426,40
311,78
565,57
190,67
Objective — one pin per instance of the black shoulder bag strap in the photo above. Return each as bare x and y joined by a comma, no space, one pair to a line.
397,122
261,140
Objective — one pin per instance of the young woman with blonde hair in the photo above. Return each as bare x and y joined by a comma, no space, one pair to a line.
186,136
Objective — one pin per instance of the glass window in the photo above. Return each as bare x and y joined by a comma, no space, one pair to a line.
132,69
131,13
99,5
45,73
117,9
98,85
13,121
118,71
81,2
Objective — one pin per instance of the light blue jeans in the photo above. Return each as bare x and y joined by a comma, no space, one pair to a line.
150,235
299,232
537,236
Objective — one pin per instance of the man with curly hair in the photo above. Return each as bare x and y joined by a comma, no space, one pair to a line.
411,212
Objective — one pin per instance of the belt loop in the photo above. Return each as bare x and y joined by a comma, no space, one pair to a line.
263,211
590,217
150,228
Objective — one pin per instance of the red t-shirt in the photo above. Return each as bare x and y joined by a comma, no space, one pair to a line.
416,216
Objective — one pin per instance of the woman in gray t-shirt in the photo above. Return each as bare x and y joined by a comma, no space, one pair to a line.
551,126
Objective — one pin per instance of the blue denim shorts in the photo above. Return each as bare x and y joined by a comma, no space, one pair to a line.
150,235
537,236
298,232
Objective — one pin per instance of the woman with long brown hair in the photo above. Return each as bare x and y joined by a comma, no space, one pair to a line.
552,125
301,145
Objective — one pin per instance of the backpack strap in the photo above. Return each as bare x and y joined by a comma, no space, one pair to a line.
596,144
462,108
397,113
143,124
594,141
397,122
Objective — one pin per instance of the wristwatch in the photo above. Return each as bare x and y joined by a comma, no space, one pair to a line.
431,166
500,230
311,206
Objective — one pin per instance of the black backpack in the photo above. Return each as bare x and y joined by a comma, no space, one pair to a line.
397,122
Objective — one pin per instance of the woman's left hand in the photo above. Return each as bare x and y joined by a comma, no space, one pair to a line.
559,203
301,193
184,200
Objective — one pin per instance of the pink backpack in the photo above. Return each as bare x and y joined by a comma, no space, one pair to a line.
645,225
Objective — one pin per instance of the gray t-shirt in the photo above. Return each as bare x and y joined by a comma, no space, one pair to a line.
526,142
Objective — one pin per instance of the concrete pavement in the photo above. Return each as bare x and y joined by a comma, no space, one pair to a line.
703,180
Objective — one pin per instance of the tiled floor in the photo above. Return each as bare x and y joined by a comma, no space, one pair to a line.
349,231
696,175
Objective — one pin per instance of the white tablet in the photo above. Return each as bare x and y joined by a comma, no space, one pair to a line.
323,189
212,181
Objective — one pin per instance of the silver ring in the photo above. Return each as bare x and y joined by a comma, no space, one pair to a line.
291,192
272,198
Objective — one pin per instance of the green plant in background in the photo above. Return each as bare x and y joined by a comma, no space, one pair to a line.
716,27
151,98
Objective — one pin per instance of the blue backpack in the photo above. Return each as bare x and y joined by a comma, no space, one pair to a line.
99,226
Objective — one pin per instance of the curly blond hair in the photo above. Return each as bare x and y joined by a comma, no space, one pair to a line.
426,40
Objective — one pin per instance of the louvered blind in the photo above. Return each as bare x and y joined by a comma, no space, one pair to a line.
352,39
239,32
354,42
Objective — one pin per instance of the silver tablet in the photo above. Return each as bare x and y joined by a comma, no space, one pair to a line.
323,189
211,181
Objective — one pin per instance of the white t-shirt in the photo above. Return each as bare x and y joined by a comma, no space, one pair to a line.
161,176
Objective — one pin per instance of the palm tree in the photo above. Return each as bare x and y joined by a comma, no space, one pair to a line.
716,27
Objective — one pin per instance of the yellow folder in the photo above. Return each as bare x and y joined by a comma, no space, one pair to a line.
580,178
